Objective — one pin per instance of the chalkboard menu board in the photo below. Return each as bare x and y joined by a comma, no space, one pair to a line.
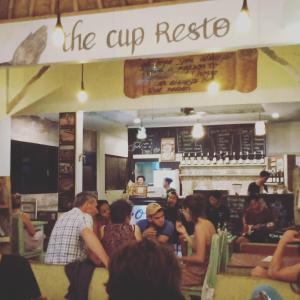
225,138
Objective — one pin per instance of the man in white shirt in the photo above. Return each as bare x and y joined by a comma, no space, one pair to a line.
73,234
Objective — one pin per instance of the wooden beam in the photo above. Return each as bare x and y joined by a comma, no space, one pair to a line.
53,7
99,4
10,9
31,7
75,5
17,99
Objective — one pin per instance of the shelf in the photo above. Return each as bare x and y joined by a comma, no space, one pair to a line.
4,239
223,166
274,183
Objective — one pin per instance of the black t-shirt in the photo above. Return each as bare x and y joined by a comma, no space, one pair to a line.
254,189
17,281
218,216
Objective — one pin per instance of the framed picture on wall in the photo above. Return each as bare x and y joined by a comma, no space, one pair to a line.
167,149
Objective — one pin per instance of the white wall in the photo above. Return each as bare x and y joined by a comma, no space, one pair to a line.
114,142
283,137
5,133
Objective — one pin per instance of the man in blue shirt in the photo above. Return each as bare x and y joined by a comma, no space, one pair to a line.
156,226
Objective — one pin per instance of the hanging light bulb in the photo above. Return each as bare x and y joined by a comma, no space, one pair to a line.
58,34
260,128
198,131
214,86
243,22
137,121
141,135
82,95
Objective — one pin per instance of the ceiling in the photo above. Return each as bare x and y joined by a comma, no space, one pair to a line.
12,9
229,114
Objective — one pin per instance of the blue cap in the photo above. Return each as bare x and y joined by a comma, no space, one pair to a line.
268,291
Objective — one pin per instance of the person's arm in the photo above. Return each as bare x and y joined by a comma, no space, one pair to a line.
183,234
163,238
28,225
102,232
94,245
277,270
200,238
137,233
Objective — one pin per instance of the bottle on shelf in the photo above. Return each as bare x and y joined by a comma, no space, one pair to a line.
214,160
192,158
227,158
183,159
278,177
262,159
207,159
241,160
247,159
220,160
233,159
254,160
281,177
188,161
201,159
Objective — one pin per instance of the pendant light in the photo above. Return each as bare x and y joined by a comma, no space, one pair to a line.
198,131
260,127
243,23
82,94
141,135
214,85
58,34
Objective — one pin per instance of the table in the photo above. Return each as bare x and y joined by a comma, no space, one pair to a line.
243,263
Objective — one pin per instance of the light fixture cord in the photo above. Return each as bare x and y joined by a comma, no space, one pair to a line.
58,9
82,76
245,6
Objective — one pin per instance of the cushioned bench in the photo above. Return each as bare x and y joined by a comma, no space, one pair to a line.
54,283
241,287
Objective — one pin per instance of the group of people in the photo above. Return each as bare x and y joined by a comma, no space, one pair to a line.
104,229
102,233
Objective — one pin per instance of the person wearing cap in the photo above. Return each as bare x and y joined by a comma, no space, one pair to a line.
156,226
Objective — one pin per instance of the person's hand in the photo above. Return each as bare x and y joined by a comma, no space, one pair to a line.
181,229
150,233
290,236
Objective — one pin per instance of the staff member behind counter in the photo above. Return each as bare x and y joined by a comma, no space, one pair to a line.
258,186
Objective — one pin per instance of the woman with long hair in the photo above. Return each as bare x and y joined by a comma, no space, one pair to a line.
195,266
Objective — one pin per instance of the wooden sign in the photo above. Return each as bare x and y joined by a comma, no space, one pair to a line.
167,149
185,74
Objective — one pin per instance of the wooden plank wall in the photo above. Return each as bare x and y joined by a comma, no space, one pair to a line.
14,9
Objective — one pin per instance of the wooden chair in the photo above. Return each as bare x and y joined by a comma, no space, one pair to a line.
18,239
211,274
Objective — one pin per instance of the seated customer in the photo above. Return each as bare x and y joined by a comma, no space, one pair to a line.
140,180
277,270
33,239
103,216
114,235
17,281
217,212
73,234
195,266
172,211
144,270
258,221
156,227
